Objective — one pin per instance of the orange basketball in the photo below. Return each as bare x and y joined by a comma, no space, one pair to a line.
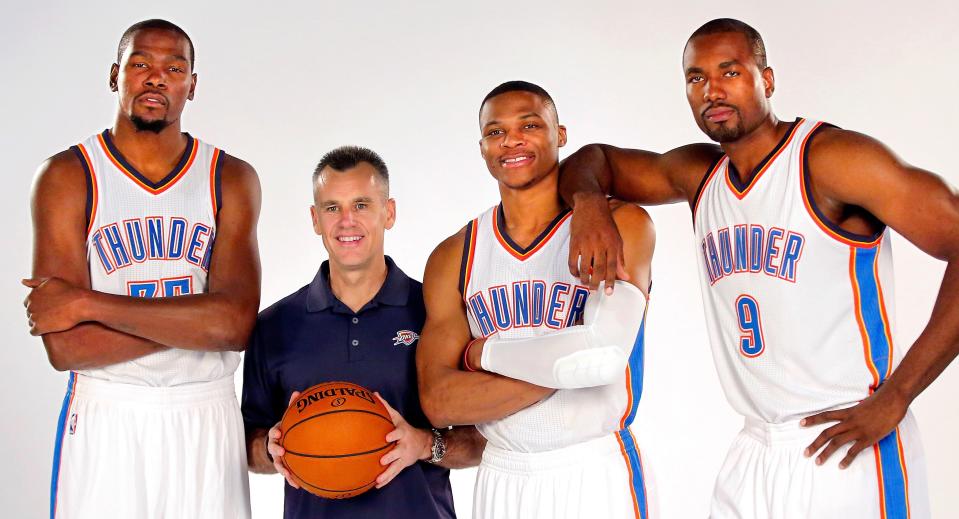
334,435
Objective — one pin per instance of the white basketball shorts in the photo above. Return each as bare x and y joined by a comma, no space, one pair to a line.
765,476
149,452
603,477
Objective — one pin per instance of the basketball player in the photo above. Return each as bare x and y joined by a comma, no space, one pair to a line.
553,399
130,295
792,220
358,321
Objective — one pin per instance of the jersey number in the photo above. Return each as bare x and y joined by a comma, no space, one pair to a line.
751,342
172,287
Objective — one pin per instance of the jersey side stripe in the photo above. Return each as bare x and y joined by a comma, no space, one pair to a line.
634,375
634,464
891,472
57,447
870,313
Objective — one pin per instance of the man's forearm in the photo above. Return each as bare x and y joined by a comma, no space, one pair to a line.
585,173
211,322
256,454
937,345
91,345
464,447
455,397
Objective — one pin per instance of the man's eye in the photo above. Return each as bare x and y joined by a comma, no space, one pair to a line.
494,132
331,209
695,79
531,125
362,205
732,73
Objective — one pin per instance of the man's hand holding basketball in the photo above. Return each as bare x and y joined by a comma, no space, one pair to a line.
412,445
276,450
52,305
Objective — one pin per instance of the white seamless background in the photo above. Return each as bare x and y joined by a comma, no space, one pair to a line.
281,84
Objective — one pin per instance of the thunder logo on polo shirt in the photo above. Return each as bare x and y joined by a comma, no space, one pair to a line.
405,337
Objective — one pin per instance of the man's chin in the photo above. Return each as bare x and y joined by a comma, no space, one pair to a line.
149,125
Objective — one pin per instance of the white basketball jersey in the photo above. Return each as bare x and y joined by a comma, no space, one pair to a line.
799,310
521,292
147,239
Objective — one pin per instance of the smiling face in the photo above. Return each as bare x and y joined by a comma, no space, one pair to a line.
521,138
726,89
352,212
154,78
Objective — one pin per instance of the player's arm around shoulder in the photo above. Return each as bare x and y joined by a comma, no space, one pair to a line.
449,395
61,278
631,175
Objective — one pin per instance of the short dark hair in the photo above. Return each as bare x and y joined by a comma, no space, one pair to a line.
721,25
158,24
348,157
520,86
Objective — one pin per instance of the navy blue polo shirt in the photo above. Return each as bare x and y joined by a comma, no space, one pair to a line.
311,337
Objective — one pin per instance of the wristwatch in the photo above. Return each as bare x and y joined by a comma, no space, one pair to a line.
438,450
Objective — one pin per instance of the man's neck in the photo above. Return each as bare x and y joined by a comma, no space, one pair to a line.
748,151
357,287
528,211
152,154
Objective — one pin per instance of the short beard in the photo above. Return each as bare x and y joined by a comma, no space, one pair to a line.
142,125
725,133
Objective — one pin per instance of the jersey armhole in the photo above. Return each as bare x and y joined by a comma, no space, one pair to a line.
824,223
216,183
707,175
466,263
91,185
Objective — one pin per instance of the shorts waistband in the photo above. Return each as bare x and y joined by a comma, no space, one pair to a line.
594,450
783,433
174,396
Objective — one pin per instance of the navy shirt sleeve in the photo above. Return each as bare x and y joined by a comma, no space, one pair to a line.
262,404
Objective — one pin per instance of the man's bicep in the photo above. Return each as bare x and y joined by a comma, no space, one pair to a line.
446,329
914,202
639,241
235,261
58,208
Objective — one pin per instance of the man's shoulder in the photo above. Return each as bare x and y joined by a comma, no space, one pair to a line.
291,306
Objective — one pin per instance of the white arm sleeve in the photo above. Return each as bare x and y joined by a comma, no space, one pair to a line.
594,354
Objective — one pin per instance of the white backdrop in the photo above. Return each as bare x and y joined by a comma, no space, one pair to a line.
279,86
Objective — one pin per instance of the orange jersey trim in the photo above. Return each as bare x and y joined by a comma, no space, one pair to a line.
521,255
857,301
709,179
133,177
806,198
213,165
629,470
93,184
742,194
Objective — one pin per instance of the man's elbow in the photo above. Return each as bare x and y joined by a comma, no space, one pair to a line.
59,353
232,332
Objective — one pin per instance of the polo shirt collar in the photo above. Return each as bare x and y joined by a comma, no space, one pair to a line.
394,292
